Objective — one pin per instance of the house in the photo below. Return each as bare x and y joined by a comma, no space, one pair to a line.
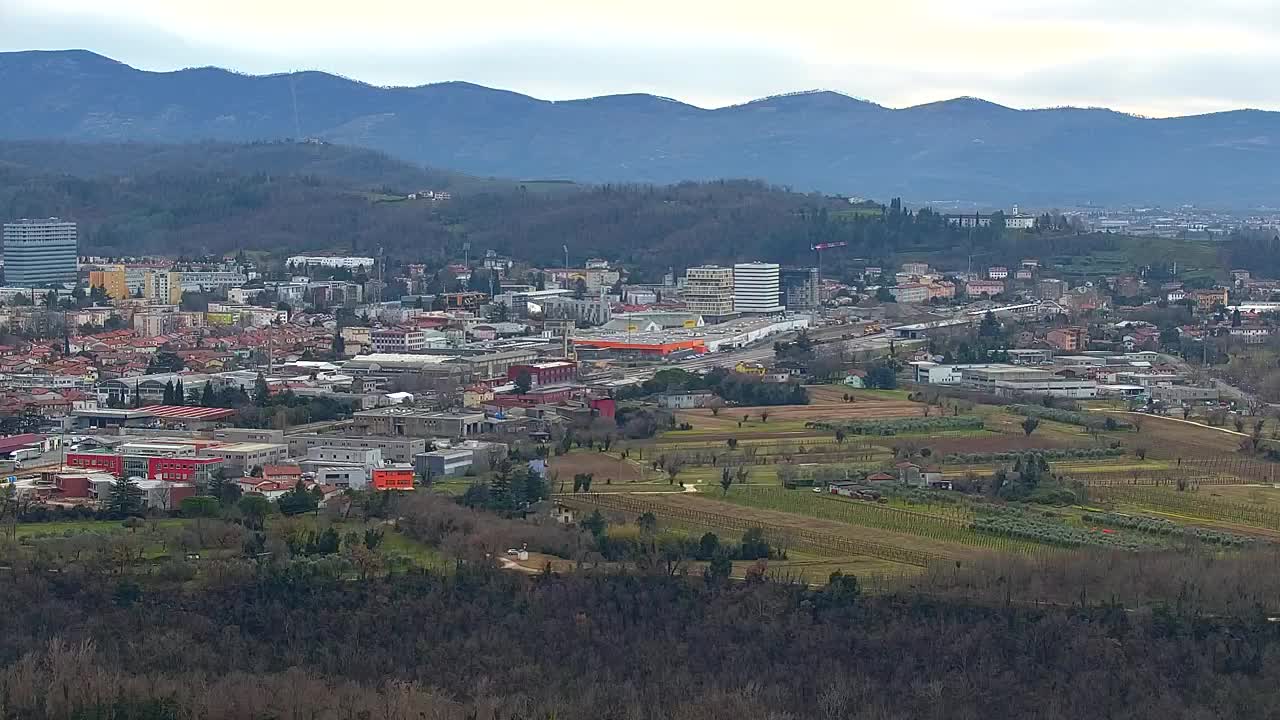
282,473
997,272
881,477
909,474
856,379
1068,339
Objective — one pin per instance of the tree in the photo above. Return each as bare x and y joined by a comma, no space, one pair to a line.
179,393
339,344
989,327
206,395
648,523
261,391
579,289
125,498
595,524
255,508
164,362
1235,318
1029,425
523,382
764,416
718,570
726,479
297,501
840,436
168,393
200,506
882,376
732,443
884,295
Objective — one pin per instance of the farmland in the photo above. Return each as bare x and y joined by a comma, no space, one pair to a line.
1131,467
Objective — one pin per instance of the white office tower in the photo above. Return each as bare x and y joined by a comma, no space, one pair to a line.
756,288
708,291
39,252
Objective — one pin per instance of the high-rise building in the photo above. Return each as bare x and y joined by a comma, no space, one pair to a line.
163,287
39,252
756,287
800,289
113,281
708,290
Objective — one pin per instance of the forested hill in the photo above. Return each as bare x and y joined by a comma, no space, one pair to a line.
287,197
957,149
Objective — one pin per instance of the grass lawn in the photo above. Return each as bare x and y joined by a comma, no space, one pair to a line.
72,527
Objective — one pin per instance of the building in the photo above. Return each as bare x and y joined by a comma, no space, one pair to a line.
910,293
400,421
1068,339
687,400
1206,299
997,272
554,372
405,340
800,288
345,263
1010,380
162,287
345,477
396,477
325,455
239,458
708,291
1020,222
394,449
114,282
212,280
40,252
1051,289
1029,356
757,288
915,268
978,288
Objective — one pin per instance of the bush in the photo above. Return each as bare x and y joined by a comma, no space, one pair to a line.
903,425
1070,417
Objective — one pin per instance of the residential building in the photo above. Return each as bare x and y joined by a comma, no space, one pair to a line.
112,281
1068,339
910,293
1020,222
757,288
686,400
212,280
40,252
978,288
1030,356
915,268
1051,289
708,290
997,272
163,287
1206,299
800,288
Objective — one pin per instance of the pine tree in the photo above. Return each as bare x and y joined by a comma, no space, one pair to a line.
179,394
261,391
206,395
125,498
168,393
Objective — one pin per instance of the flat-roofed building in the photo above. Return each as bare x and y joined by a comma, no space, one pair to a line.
400,421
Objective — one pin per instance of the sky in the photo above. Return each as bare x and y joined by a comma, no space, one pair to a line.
1151,57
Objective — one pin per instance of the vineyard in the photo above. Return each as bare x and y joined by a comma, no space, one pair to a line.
1188,504
904,425
945,523
1070,417
1017,524
836,545
1168,528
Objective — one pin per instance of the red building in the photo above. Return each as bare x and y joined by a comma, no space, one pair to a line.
605,407
535,397
182,469
547,373
101,462
393,478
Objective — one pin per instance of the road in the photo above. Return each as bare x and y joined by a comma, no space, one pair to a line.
760,352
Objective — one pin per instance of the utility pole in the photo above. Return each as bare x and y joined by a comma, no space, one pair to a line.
566,255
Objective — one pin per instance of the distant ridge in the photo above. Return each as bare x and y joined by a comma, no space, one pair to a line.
965,148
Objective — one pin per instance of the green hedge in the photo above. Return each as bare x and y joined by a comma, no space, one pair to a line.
1049,454
1070,417
903,425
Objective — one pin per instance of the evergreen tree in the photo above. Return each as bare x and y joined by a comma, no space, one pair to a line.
125,498
179,394
261,391
206,395
168,393
297,501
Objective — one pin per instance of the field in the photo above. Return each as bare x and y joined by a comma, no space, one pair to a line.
826,404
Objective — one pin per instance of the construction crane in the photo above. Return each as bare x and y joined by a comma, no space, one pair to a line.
817,250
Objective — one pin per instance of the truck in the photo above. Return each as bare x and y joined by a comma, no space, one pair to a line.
26,454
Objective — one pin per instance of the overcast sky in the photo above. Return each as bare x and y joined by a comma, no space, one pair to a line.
1153,57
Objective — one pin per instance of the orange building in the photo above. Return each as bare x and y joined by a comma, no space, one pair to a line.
396,477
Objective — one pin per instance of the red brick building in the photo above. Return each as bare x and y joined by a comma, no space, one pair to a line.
554,372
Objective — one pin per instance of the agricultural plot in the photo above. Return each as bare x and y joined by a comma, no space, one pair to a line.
1194,506
949,524
603,466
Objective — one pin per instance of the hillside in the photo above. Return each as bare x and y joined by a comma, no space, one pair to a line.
958,149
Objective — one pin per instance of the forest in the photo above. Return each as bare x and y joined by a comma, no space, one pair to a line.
220,198
288,634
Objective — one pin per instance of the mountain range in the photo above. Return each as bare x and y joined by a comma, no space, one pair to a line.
964,149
